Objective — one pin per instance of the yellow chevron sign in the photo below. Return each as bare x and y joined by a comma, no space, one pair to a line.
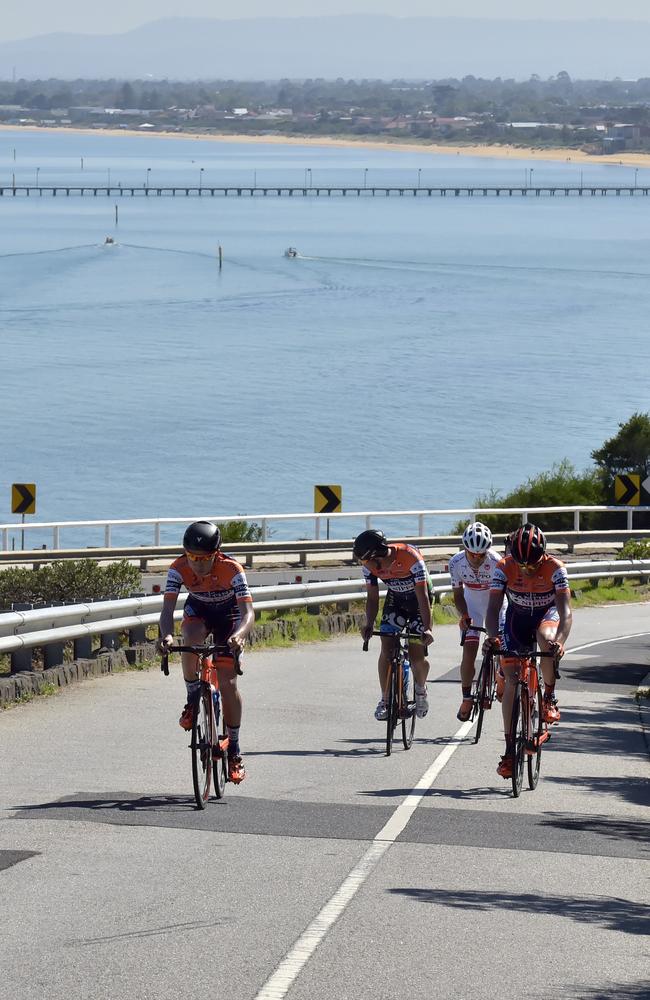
23,498
627,489
327,499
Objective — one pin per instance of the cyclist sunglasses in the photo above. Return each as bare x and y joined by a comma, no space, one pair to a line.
195,558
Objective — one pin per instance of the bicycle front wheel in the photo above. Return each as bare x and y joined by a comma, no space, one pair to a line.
534,736
407,709
391,707
201,748
481,695
220,762
517,734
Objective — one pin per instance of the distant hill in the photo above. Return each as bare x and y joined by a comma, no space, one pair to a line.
354,46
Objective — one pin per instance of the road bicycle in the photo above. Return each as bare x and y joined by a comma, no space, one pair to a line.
208,746
528,730
484,686
399,696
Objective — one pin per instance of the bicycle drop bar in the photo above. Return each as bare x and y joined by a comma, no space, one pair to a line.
411,636
202,650
539,656
475,628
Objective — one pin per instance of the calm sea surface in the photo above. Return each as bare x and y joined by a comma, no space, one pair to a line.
419,352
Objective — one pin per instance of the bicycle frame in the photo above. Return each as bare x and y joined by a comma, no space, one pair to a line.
528,730
209,750
400,707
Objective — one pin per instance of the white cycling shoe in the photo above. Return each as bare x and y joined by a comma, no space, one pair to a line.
381,712
421,703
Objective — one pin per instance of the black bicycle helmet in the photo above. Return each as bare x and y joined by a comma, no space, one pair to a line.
527,544
202,536
370,543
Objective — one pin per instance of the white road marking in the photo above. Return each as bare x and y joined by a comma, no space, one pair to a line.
601,642
278,984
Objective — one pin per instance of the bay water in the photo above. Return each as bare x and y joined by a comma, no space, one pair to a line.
418,351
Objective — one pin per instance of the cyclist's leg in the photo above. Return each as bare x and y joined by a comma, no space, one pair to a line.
467,671
546,632
516,635
389,626
194,630
418,658
223,626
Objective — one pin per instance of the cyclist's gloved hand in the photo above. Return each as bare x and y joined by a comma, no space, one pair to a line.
427,637
165,642
465,622
366,632
492,644
236,642
557,648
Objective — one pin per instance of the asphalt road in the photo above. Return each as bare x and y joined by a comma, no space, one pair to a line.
332,871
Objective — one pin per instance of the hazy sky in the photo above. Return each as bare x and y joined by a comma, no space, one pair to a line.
24,20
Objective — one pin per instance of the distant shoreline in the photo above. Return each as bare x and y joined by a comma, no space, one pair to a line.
500,152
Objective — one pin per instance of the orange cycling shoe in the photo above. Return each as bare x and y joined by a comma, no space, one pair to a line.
185,721
550,711
236,769
504,767
465,710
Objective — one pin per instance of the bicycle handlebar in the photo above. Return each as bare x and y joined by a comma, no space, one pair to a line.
475,628
198,650
416,636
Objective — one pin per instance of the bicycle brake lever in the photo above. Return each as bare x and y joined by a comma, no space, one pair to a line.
365,645
164,664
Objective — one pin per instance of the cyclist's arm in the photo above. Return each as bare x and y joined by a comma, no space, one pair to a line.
492,614
372,605
424,604
246,623
563,604
166,624
460,603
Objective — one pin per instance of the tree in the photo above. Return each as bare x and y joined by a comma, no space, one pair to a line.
627,451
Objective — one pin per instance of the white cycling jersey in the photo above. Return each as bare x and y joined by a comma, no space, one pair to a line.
475,582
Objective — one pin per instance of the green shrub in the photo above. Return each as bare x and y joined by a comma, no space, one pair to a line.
560,486
240,531
635,548
68,580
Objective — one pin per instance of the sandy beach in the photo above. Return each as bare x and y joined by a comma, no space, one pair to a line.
500,152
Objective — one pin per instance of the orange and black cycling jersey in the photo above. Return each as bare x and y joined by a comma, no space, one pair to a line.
530,594
224,585
405,573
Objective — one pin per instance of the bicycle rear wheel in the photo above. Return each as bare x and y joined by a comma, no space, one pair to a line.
220,759
482,696
407,709
534,736
391,706
517,735
201,747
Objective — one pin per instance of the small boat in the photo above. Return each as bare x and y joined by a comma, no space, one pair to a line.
109,240
291,252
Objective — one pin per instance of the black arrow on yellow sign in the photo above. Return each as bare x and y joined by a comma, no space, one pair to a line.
23,498
627,489
327,499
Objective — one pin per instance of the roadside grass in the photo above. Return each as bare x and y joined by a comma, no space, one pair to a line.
608,591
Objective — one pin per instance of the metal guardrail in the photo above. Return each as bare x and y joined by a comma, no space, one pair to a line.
248,551
364,518
50,628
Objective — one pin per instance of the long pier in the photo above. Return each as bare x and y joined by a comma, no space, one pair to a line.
327,191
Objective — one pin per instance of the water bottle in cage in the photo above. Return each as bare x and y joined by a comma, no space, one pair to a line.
215,702
406,672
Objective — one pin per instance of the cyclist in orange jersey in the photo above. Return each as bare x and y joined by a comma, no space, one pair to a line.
539,609
402,568
219,602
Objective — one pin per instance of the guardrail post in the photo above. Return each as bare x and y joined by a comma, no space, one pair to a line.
139,632
53,654
83,647
317,528
5,539
107,536
576,520
156,533
21,659
421,525
630,517
55,537
524,517
264,529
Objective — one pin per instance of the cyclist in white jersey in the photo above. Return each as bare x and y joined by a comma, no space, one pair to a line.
471,574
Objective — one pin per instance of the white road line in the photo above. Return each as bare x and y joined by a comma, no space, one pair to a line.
276,987
601,642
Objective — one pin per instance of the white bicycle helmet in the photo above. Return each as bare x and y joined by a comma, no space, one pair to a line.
477,537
